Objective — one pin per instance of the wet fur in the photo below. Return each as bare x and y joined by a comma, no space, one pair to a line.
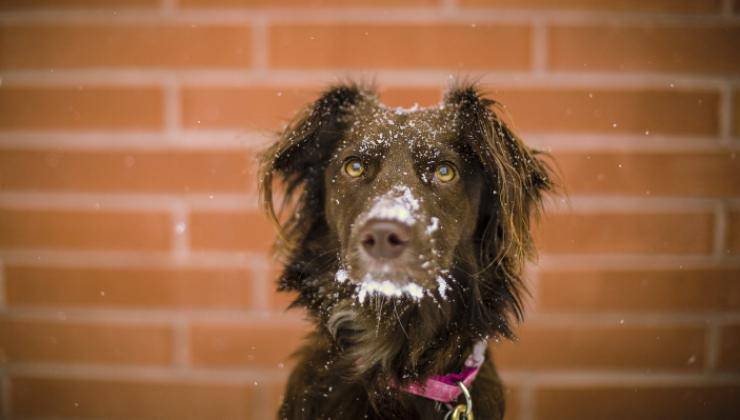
348,366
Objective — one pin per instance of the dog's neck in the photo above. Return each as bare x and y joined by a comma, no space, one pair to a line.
379,345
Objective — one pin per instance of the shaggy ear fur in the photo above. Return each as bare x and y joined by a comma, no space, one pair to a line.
516,180
299,159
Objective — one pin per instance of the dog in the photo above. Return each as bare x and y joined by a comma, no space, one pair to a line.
405,237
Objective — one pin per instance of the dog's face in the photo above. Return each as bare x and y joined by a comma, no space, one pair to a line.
402,193
426,208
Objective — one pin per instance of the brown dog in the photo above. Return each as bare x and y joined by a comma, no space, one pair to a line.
406,239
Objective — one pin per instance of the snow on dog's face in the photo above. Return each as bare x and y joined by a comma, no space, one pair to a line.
402,193
426,207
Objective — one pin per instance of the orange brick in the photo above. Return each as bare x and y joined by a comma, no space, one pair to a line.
258,345
638,402
707,174
254,108
607,347
42,341
733,233
83,230
632,233
645,48
408,97
73,46
131,108
729,352
628,111
279,301
217,288
534,110
671,290
158,171
42,397
306,3
244,231
669,6
403,46
266,108
72,4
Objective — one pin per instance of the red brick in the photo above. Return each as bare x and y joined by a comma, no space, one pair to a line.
635,290
268,108
244,231
534,110
703,174
92,230
260,345
400,46
729,351
73,4
74,46
279,301
645,48
408,97
669,6
139,171
217,288
42,341
627,111
733,233
71,398
48,108
606,347
513,406
631,233
254,108
638,402
306,3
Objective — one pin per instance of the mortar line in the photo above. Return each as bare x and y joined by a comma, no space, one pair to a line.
260,286
527,409
172,109
539,47
168,7
260,46
181,342
725,114
409,15
180,230
712,346
726,8
448,5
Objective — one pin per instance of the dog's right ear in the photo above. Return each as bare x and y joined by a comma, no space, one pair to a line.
299,157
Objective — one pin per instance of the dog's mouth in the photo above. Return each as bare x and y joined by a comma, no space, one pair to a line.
412,282
391,251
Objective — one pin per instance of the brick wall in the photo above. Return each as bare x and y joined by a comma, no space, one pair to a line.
134,278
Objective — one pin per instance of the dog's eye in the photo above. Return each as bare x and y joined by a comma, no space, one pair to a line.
445,172
354,167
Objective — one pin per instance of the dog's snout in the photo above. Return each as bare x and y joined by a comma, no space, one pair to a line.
385,239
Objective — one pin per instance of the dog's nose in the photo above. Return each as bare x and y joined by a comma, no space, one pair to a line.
385,239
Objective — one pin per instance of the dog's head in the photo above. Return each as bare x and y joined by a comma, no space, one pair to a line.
425,208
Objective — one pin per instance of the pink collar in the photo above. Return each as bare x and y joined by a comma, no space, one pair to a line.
444,388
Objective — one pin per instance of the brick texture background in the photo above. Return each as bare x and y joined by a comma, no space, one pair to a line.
135,280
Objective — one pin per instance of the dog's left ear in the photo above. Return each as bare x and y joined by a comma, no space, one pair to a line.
515,181
302,151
